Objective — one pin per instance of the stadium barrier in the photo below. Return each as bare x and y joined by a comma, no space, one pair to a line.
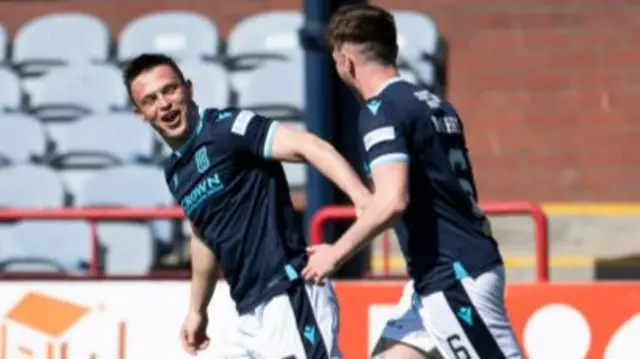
347,213
133,319
139,318
92,215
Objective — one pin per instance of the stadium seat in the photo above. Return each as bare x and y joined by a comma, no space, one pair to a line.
262,35
75,91
58,39
127,185
22,139
48,245
31,186
211,86
130,186
418,41
287,100
4,44
104,140
128,248
183,35
10,91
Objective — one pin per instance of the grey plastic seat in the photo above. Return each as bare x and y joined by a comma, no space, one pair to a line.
129,247
31,186
10,91
22,139
418,42
102,140
79,90
258,92
211,86
183,35
130,186
127,185
418,34
264,34
58,39
49,244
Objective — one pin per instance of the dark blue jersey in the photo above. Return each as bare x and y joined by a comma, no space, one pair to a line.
443,234
239,202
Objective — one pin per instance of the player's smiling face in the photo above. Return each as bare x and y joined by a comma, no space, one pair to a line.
163,99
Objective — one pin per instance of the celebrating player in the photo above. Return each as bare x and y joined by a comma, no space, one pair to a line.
415,150
225,173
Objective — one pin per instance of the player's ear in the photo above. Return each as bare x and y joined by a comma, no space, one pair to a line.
351,66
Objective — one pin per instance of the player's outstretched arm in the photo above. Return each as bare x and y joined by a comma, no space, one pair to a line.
294,145
389,200
205,274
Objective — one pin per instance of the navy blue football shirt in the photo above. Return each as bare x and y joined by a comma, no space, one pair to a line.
239,201
443,234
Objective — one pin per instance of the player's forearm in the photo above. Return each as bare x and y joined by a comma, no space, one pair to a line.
205,273
377,217
332,165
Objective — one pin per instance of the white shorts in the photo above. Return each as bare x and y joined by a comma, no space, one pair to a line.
467,321
301,323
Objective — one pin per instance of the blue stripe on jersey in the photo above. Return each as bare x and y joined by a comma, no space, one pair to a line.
192,135
389,157
268,142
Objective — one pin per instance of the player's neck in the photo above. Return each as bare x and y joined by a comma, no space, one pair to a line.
374,78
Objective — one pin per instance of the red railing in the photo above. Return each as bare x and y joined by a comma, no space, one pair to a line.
345,213
93,215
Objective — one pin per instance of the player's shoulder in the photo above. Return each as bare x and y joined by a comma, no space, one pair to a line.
385,107
233,120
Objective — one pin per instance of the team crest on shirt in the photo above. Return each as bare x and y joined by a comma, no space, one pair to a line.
202,160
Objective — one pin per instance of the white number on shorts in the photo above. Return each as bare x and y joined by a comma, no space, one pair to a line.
457,348
458,162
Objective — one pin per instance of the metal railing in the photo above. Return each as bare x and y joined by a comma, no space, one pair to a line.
92,215
347,213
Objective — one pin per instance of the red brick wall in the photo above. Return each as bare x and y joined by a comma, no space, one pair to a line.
549,89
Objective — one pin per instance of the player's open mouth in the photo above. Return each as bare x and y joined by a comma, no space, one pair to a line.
172,118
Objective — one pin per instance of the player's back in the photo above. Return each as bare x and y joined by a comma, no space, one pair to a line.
442,232
239,201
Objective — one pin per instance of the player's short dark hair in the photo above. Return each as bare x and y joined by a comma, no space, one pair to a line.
145,62
370,26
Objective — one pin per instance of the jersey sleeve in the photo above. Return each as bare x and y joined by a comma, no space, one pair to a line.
253,133
383,134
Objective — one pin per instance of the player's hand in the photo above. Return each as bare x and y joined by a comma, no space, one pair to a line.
322,263
193,334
